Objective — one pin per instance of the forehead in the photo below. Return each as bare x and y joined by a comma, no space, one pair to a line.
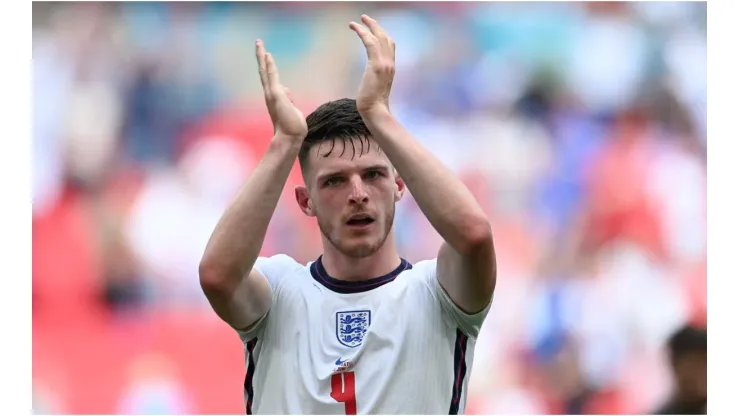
346,155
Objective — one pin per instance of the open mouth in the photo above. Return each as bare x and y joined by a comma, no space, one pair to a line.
360,220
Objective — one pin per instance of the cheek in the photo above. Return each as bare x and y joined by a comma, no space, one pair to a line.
328,205
385,191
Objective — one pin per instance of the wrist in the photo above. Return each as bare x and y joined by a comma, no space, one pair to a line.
376,114
288,139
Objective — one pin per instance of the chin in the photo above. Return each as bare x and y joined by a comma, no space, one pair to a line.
360,249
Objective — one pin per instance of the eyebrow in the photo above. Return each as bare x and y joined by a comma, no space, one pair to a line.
325,176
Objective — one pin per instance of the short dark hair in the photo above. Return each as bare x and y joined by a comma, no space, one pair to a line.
687,339
332,121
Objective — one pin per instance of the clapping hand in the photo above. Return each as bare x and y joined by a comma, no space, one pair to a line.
375,87
286,118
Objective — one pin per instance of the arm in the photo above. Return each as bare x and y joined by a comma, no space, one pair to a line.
466,266
466,263
239,294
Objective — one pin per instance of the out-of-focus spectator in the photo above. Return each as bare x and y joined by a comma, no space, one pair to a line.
687,350
175,213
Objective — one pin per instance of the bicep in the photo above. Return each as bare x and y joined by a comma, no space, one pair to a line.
246,304
469,280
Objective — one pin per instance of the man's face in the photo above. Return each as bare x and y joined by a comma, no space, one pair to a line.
352,192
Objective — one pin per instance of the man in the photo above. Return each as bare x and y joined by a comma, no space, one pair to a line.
688,357
359,330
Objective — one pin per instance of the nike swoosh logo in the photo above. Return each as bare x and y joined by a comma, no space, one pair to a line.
340,362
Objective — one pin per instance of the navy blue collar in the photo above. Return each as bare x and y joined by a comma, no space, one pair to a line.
342,286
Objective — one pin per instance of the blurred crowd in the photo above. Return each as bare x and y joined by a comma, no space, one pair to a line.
580,128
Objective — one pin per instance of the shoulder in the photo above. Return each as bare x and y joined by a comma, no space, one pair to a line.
281,262
278,267
423,271
419,279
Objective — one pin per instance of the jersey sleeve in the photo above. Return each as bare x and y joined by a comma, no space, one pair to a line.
470,324
275,269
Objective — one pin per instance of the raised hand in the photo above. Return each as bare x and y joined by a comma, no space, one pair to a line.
286,118
375,87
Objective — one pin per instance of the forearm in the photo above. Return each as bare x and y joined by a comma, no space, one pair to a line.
237,239
443,198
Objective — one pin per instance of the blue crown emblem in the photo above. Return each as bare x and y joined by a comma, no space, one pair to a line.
352,326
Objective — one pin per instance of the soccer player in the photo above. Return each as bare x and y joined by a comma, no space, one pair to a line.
359,330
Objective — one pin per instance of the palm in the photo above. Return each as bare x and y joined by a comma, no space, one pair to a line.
375,87
286,117
373,90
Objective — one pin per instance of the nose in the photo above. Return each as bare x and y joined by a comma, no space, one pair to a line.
358,194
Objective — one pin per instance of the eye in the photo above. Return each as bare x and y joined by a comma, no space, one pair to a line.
333,181
373,174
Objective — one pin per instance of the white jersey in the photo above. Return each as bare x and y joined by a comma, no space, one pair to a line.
395,344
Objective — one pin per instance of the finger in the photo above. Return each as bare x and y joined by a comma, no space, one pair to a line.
368,39
384,39
273,78
374,26
261,64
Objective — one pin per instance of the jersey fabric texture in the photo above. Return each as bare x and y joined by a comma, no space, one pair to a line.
393,344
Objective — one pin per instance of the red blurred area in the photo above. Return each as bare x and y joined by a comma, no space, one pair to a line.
92,363
620,204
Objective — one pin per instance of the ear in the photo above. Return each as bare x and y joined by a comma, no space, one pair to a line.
303,198
400,187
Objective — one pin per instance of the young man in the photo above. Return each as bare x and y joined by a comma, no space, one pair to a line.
359,330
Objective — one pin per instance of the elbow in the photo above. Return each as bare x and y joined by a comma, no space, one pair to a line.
218,277
211,276
478,237
480,250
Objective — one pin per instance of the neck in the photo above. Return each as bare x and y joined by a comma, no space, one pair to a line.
342,267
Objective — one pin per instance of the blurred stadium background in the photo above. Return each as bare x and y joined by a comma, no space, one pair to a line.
580,127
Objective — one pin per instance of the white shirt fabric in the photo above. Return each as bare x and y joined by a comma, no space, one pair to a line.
395,344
